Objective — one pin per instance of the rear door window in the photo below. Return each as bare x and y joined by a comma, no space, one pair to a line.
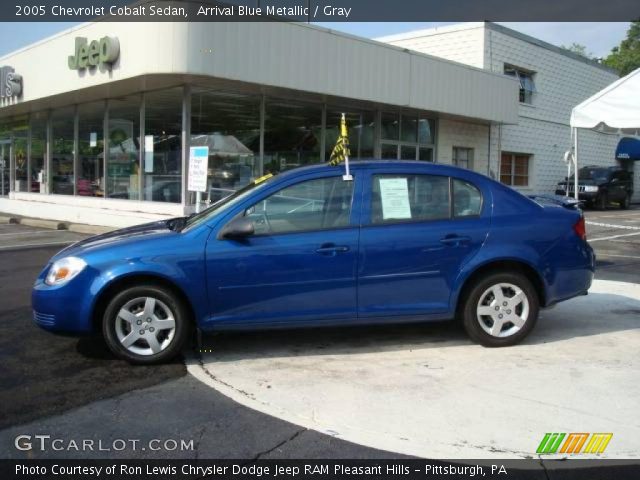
467,200
406,198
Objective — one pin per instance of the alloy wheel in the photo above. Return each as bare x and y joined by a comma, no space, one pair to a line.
502,310
145,326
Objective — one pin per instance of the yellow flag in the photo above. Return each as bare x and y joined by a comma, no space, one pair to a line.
341,150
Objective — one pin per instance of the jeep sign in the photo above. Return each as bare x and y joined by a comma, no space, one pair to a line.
99,52
10,83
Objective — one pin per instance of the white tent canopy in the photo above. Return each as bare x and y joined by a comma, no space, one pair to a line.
617,106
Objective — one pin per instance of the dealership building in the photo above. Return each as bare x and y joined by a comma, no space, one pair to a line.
96,123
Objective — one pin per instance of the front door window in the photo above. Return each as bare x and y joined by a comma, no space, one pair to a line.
319,204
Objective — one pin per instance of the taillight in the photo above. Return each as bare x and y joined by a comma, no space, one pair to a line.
580,228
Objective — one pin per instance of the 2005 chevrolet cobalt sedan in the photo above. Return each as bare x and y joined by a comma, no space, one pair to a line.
401,242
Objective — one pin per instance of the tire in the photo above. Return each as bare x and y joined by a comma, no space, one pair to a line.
130,333
602,201
480,328
625,202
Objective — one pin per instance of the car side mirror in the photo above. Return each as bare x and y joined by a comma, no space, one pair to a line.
240,227
614,180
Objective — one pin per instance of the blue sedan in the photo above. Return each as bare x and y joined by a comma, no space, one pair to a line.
401,242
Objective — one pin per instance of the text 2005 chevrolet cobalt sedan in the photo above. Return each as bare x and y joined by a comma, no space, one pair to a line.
401,242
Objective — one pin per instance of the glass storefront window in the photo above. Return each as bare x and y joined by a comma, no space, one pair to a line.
409,129
407,152
62,134
162,159
412,137
390,126
360,126
389,151
425,154
292,135
20,149
90,180
229,124
5,149
426,131
38,150
123,163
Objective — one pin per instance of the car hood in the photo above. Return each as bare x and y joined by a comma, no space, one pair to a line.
117,237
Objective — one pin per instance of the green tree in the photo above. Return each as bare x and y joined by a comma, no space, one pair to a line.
579,49
625,58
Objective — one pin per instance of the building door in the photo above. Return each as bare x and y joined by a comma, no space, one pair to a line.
5,167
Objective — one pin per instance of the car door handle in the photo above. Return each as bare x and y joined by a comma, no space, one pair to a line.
332,249
455,240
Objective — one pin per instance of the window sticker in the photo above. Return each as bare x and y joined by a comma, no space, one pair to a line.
394,195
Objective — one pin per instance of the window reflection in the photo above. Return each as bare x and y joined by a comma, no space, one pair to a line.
292,135
91,150
229,124
20,141
38,150
123,165
62,131
162,160
360,127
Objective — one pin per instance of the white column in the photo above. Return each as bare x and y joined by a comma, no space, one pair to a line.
575,164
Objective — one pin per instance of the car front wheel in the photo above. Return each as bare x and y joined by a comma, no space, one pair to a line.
145,325
602,201
500,309
624,203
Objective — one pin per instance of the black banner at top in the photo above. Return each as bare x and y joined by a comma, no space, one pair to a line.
319,10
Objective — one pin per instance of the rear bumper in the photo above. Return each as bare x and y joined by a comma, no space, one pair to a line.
574,277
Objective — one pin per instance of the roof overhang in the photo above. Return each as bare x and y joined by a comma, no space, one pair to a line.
274,55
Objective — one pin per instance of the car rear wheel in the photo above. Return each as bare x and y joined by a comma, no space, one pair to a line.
145,325
500,309
624,203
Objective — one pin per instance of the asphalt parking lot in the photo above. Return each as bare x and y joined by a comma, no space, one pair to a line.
239,400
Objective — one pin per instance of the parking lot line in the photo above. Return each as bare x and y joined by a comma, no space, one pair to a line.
610,225
18,246
613,236
615,255
34,232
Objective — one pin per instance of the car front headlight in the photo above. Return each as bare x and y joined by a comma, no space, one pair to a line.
591,188
64,270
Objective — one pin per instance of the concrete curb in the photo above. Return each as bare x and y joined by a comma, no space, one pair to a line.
90,229
38,222
4,219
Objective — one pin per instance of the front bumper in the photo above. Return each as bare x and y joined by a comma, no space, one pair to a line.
584,196
65,308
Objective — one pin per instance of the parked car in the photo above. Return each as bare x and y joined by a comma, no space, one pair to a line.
402,242
599,186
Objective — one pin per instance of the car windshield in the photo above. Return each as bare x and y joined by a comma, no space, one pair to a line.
596,174
228,201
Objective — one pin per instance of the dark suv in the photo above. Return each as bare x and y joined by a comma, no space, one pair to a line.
598,186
